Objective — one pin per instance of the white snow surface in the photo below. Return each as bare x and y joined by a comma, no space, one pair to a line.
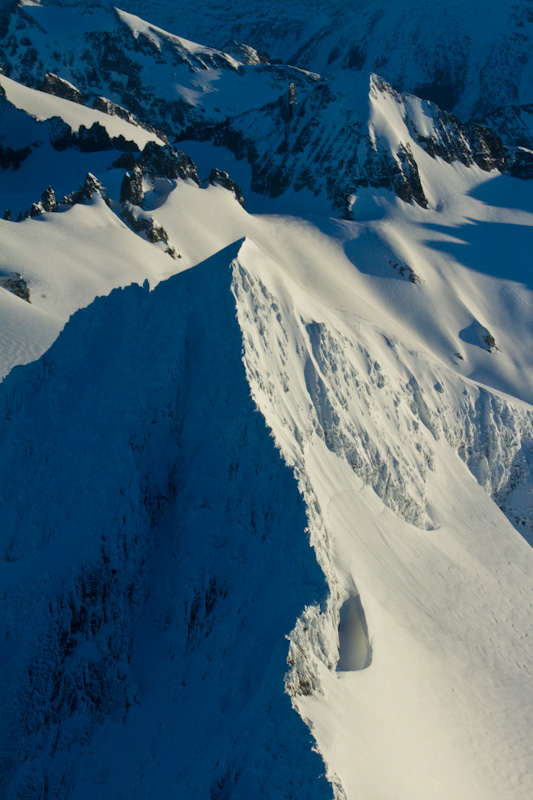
144,500
375,431
399,453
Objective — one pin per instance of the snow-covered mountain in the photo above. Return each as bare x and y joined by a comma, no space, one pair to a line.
266,426
469,58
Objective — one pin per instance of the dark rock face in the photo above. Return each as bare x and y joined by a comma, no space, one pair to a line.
61,135
487,149
89,187
12,159
473,143
490,343
287,103
48,200
94,139
57,86
405,177
514,125
124,161
244,53
519,162
126,145
15,283
219,178
165,162
131,189
113,109
147,227
299,147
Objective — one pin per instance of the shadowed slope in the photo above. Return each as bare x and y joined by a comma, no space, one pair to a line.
154,558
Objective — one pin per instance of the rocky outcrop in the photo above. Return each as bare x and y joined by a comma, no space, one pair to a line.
165,162
147,227
94,139
155,161
53,84
514,124
451,140
219,178
519,162
244,53
46,203
48,199
131,188
287,103
14,282
405,177
114,110
89,187
61,135
12,159
124,161
487,148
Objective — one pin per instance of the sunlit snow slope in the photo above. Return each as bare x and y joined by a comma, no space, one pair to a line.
266,514
160,578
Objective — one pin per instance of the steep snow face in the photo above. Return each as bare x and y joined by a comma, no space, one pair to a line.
159,581
154,564
155,546
429,581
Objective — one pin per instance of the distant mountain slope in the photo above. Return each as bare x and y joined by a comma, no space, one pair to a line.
468,57
296,129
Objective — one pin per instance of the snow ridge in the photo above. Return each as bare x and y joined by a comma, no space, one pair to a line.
147,598
398,425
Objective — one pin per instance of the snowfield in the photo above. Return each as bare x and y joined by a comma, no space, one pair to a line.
266,474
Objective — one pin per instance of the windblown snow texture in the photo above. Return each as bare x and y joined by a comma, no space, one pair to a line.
154,564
